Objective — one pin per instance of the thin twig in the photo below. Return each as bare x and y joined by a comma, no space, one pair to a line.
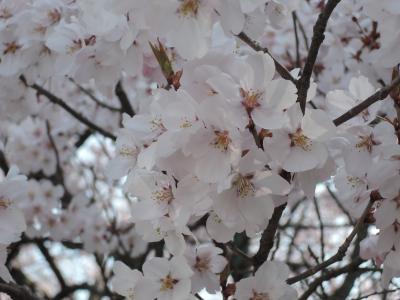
303,83
384,292
351,267
303,32
339,254
296,37
267,238
379,95
340,205
59,174
94,98
279,67
58,101
123,99
321,228
17,292
50,260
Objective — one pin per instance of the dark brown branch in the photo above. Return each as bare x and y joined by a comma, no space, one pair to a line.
318,37
58,101
59,174
50,260
340,205
344,290
384,292
123,99
296,38
94,98
303,32
83,137
267,238
351,267
17,292
3,163
341,251
379,95
321,228
279,67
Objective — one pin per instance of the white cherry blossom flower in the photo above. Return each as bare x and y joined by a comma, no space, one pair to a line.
299,146
165,279
206,262
125,280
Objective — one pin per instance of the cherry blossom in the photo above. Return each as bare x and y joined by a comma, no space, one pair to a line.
165,279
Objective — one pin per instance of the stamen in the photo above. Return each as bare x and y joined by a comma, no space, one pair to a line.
221,140
367,143
127,151
189,8
11,48
260,296
298,139
244,186
202,264
168,283
4,202
165,195
250,99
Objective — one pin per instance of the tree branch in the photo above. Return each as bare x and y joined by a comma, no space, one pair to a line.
318,37
296,38
94,98
341,251
123,99
17,292
351,267
267,238
58,101
46,254
379,95
3,163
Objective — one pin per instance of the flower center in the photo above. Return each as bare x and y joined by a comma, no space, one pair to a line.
221,140
250,99
202,264
260,296
244,186
5,13
189,8
54,16
185,124
353,181
4,202
298,139
366,143
165,195
156,124
75,46
127,151
168,283
11,48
